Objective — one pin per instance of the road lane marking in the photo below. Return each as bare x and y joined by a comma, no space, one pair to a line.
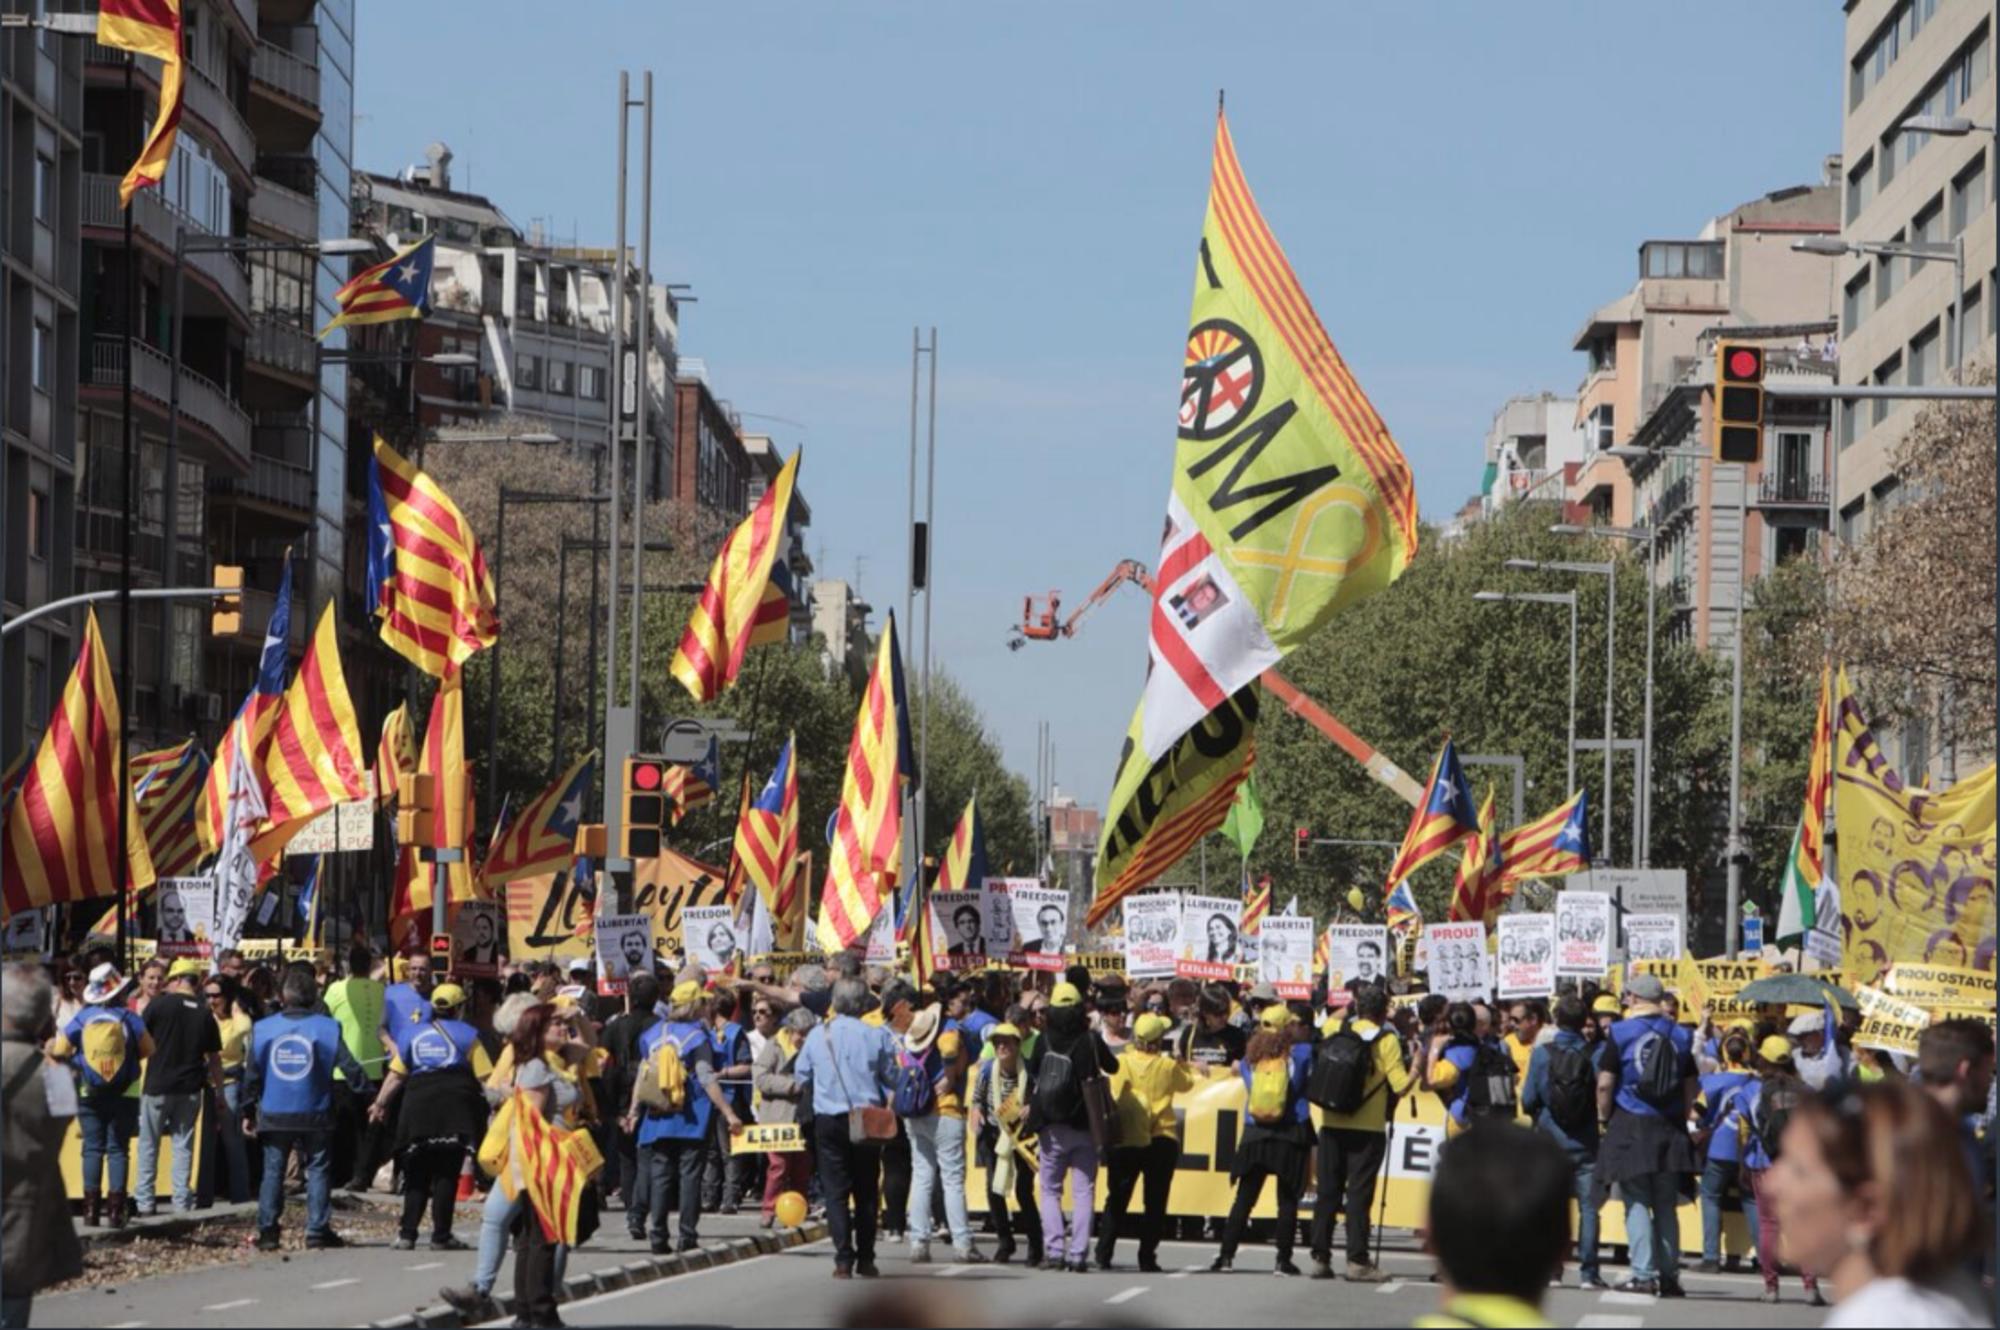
331,1283
1617,1299
952,1271
653,1285
1393,1286
426,1265
231,1305
126,1325
1183,1274
1606,1321
1127,1295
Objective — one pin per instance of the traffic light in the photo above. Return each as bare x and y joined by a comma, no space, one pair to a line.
1739,402
416,821
226,620
1300,839
645,805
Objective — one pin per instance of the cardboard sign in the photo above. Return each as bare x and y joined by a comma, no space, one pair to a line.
1583,934
879,942
1354,951
1888,1024
624,944
757,1138
186,918
548,917
1653,937
1099,963
25,935
345,826
1875,1002
1286,958
1525,959
961,916
1943,987
475,939
1458,967
709,932
1041,924
1152,934
999,906
1211,937
1725,979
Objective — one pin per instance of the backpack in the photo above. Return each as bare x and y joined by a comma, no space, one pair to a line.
1270,1090
1657,1059
1058,1089
104,1053
1772,1113
1572,1092
663,1081
916,1086
1338,1081
1489,1090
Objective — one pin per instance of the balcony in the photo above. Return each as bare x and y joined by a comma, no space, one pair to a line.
219,421
1778,490
275,70
1675,502
272,481
157,220
205,101
277,208
1679,595
282,344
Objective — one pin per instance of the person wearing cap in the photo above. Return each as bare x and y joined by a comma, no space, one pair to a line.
1278,1149
844,1066
1646,1149
937,1138
676,1144
1568,1054
999,1123
1113,1010
1757,1115
1064,1130
442,1064
1815,1037
186,1062
1605,1012
105,1042
1149,1140
1352,1146
1722,1158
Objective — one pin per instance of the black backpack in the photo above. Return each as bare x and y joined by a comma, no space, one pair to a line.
1776,1099
1658,1060
1489,1091
1572,1094
1058,1089
1338,1080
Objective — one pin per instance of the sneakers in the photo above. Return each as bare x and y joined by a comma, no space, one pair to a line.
471,1305
1222,1265
968,1256
1707,1267
1078,1267
1671,1288
1361,1273
1768,1295
1287,1269
843,1272
1003,1253
866,1269
1149,1265
1591,1283
1323,1270
267,1239
920,1253
1634,1284
324,1241
403,1244
449,1242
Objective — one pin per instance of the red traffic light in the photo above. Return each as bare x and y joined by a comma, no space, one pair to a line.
1743,364
648,775
441,944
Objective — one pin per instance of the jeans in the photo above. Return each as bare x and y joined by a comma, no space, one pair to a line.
107,1122
1068,1149
1248,1188
1653,1225
1349,1163
1586,1218
726,1178
666,1160
848,1174
1718,1176
937,1153
314,1146
430,1176
495,1220
174,1115
1154,1162
1766,1228
235,1151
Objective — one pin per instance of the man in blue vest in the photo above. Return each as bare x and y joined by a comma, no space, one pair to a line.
1646,1083
675,1141
442,1114
288,1104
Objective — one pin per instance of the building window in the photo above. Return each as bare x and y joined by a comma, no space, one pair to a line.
1968,195
1924,356
1860,185
1602,423
1850,519
1889,371
1603,354
42,356
1926,229
1790,542
1972,315
528,371
1697,259
38,524
559,372
1854,305
45,189
1885,274
590,382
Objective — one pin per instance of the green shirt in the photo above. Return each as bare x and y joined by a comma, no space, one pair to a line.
357,1004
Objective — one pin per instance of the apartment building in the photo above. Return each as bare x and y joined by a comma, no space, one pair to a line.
765,463
1532,447
1909,58
713,470
840,619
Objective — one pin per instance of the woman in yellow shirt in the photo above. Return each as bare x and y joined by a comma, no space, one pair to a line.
234,1024
1149,1141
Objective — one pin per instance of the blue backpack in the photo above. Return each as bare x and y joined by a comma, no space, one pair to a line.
916,1086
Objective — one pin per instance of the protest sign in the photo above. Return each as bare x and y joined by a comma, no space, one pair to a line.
475,939
1286,955
1152,934
1041,924
186,917
1583,934
999,905
1525,962
1211,941
881,937
1355,951
962,916
1888,1023
710,932
1942,987
1653,937
1458,967
624,944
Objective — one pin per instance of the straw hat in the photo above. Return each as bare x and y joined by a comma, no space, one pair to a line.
105,984
923,1031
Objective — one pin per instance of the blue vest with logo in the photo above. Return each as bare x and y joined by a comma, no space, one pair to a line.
691,1123
295,1053
438,1046
732,1045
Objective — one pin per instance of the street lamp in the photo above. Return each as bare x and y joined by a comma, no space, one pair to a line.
1917,251
1945,126
1552,598
1609,572
1649,535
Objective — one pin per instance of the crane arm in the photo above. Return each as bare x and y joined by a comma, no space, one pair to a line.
1128,570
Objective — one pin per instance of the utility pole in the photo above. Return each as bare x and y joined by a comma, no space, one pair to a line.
618,727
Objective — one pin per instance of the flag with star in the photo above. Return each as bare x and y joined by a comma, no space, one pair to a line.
397,288
543,838
1441,819
1554,844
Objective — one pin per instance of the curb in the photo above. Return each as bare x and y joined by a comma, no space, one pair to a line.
631,1274
169,1225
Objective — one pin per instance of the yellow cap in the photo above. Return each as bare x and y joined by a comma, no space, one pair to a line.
1150,1027
1775,1048
1066,995
1606,1005
185,966
1002,1031
1275,1017
448,995
687,990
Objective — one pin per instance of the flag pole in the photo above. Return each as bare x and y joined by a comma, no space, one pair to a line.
128,714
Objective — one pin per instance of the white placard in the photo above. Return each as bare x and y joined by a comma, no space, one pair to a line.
1041,924
1653,937
25,935
345,826
1458,962
1525,958
186,918
1583,934
709,937
961,917
999,905
624,944
880,939
1355,951
477,932
1152,934
1211,937
1285,955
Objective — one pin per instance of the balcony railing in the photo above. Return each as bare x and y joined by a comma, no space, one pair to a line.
271,480
276,68
284,209
282,344
201,399
205,100
157,220
1672,503
1777,489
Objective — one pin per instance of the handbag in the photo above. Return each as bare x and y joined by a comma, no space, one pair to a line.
1099,1104
866,1123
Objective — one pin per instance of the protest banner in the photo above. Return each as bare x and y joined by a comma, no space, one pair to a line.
548,915
1458,967
1285,960
1942,987
1874,1002
1583,934
963,916
1211,937
1040,922
1525,958
710,934
1654,937
186,908
759,1138
475,939
1099,963
1890,1024
624,944
1152,934
1354,951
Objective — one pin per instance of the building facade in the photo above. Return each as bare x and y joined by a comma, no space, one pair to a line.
1534,442
840,621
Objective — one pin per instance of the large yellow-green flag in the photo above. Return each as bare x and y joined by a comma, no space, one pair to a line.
1290,501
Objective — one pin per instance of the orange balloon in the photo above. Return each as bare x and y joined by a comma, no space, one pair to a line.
791,1209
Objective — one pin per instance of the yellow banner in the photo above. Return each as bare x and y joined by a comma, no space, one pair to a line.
549,916
1889,1034
1943,987
756,1138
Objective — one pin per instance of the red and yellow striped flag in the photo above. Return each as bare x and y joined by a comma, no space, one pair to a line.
166,783
866,857
1476,892
551,1165
431,587
395,754
62,826
149,27
442,758
734,612
1256,904
312,760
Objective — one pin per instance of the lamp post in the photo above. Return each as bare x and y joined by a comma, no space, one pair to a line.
1650,536
1552,598
1920,251
1609,572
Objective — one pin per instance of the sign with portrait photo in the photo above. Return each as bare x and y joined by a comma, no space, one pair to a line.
1211,937
1041,924
186,917
1458,965
999,906
475,939
1285,960
710,933
1653,937
1525,956
1355,951
624,944
1152,934
1583,934
880,938
961,917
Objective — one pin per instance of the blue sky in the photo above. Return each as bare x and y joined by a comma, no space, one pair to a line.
1457,186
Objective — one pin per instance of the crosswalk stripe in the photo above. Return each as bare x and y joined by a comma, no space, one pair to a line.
952,1271
1617,1299
1127,1295
331,1283
1608,1321
231,1305
425,1265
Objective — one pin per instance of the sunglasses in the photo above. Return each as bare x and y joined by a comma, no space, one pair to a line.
213,995
761,1011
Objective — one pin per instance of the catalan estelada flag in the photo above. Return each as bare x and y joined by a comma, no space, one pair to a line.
865,860
395,754
1475,893
767,834
1256,904
427,580
313,759
692,786
149,27
1556,843
1442,819
737,608
542,838
1289,503
251,726
61,841
166,786
1400,909
396,288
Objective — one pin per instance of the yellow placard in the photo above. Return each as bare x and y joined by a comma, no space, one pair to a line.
1725,978
757,1138
1943,987
1874,1002
1888,1033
